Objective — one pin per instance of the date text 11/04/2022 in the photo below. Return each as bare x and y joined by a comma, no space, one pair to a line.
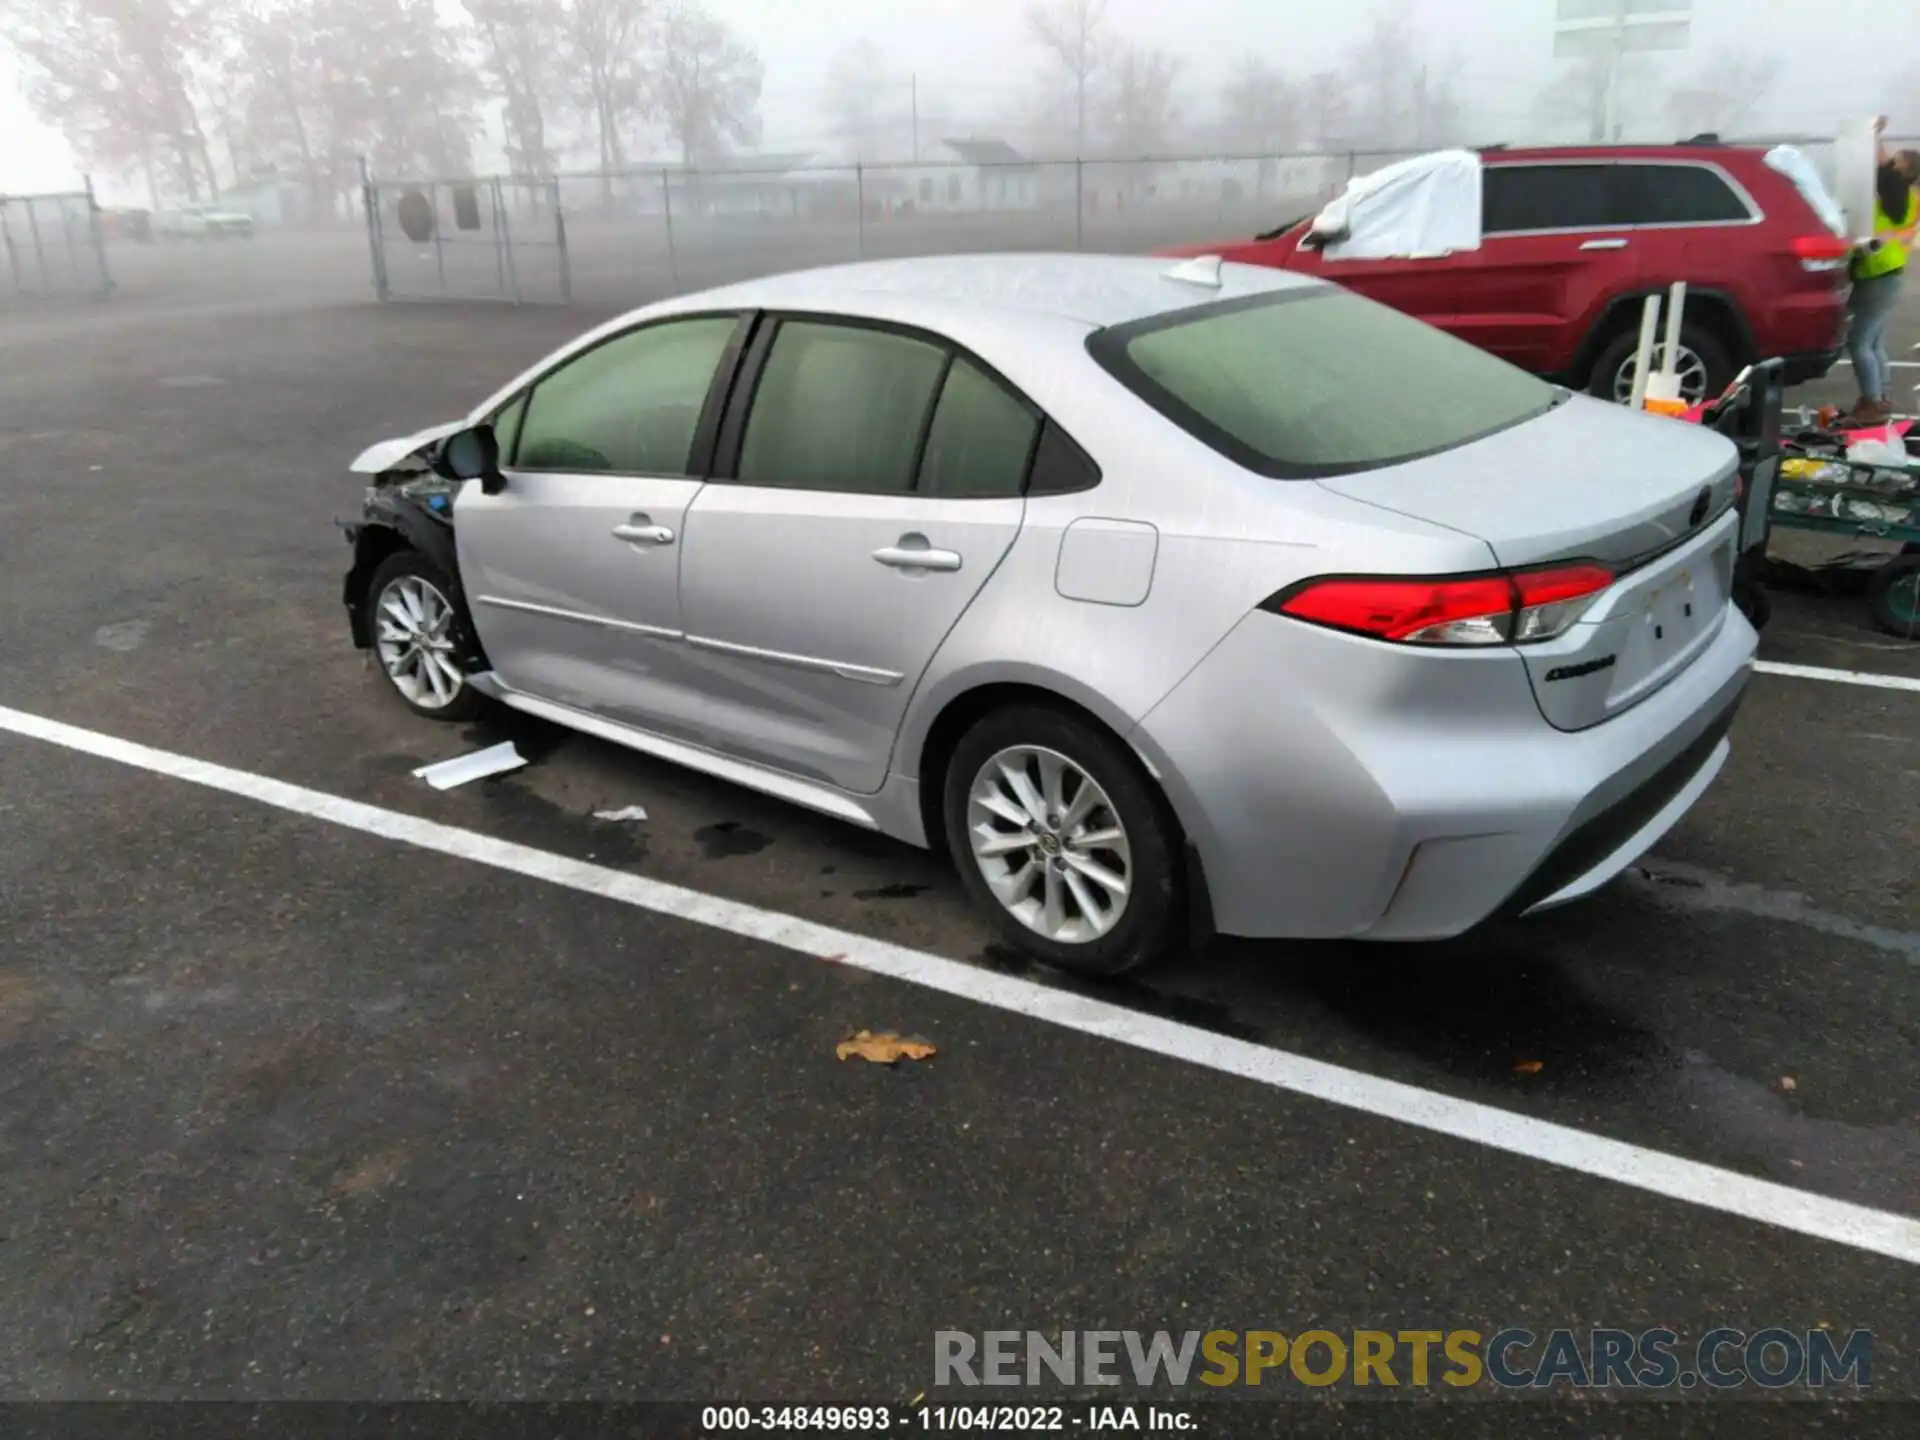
980,1419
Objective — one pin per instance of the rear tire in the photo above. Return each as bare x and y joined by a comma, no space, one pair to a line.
419,635
1055,898
1701,352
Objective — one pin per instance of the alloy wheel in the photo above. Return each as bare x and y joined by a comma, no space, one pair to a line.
1049,844
414,639
1690,368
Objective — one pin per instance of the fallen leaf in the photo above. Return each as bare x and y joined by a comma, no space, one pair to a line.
883,1049
1788,1084
1529,1067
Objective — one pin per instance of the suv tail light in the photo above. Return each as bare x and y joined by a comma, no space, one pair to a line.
1820,253
1516,607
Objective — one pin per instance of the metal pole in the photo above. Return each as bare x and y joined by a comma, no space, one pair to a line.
860,209
560,235
1079,204
439,245
370,204
506,243
99,244
39,254
666,209
500,248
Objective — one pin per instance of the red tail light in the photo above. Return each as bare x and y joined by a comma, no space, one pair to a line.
1513,608
1822,252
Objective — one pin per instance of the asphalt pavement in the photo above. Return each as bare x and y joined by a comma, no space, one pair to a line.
295,1111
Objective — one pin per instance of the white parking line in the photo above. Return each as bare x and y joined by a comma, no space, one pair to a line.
1839,677
1881,1232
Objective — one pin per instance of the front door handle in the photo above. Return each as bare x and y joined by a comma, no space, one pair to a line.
641,531
917,557
1604,245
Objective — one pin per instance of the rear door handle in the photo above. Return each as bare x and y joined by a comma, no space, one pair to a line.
640,531
902,557
1604,245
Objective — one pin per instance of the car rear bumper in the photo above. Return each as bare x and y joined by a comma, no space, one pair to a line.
1335,787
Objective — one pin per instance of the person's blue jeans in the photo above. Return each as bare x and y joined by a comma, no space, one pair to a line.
1872,310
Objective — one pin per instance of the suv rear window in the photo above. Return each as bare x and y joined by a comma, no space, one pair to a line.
1317,382
1674,195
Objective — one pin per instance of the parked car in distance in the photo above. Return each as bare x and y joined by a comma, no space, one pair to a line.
126,224
1164,599
1573,241
203,222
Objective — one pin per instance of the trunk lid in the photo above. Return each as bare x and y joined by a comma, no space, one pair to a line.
1650,497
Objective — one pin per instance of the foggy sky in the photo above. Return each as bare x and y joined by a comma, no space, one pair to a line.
975,60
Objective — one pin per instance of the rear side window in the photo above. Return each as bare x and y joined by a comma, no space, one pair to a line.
840,407
981,440
1519,198
1320,383
1675,195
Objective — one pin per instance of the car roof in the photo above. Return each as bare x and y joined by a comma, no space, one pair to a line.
1087,290
1704,153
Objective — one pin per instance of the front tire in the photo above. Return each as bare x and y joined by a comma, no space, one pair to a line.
1063,839
417,632
1705,367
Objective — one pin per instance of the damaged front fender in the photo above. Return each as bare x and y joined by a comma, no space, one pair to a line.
384,455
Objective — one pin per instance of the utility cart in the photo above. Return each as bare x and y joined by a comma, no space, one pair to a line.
1818,488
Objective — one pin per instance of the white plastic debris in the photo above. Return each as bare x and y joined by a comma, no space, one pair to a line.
496,760
631,812
1419,208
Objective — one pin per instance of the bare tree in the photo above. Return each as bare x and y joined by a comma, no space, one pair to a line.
316,84
1384,74
1138,111
856,97
116,78
520,43
1070,31
605,43
1720,95
1325,115
1261,109
708,86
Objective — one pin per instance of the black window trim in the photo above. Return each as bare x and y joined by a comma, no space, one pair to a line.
746,385
1755,215
1109,350
700,453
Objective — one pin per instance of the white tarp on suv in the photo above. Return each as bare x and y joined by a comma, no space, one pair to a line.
1419,208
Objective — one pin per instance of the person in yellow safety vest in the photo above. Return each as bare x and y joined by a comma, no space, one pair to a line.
1879,268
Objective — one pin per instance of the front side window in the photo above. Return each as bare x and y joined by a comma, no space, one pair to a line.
840,407
629,406
1519,198
1318,382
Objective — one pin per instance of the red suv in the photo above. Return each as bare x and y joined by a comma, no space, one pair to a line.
1575,239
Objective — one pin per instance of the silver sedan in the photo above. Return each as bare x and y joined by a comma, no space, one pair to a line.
1167,600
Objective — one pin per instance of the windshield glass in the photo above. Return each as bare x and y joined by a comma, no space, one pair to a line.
1317,382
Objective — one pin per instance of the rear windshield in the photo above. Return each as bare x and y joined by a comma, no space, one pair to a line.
1317,382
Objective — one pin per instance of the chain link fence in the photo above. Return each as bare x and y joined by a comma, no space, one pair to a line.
616,238
475,238
53,247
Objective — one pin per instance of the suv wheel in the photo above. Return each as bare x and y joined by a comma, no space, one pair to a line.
1704,367
1061,837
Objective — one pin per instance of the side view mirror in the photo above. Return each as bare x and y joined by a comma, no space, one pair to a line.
471,455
